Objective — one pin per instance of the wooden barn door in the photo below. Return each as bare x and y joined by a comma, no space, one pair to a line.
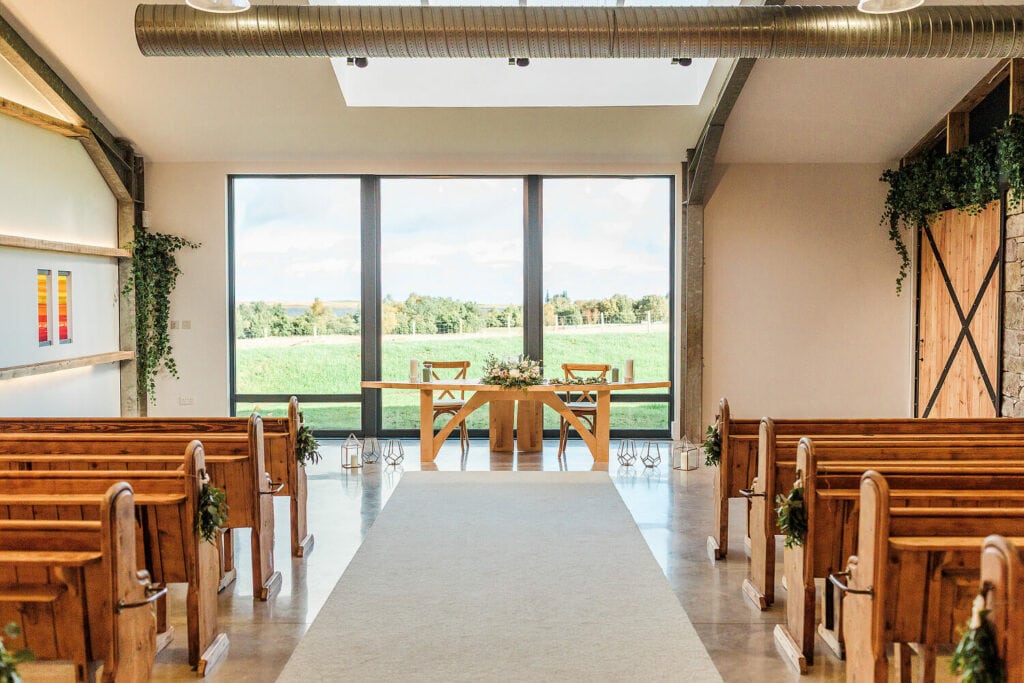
959,315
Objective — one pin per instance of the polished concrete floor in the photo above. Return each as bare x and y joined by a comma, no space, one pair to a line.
672,509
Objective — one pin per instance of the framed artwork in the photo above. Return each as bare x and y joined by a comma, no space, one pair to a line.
43,278
64,306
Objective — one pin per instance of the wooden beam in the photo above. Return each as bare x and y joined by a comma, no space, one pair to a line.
17,242
986,85
14,371
957,130
41,120
1017,86
106,169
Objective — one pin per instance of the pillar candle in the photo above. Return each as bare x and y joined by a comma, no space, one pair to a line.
629,370
414,370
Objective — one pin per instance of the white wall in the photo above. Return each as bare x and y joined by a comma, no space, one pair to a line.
801,313
50,189
191,200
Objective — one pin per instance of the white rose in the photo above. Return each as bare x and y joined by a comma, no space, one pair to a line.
976,609
513,373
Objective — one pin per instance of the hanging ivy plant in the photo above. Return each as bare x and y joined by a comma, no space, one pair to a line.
9,660
212,512
976,659
792,516
154,275
307,450
712,446
968,180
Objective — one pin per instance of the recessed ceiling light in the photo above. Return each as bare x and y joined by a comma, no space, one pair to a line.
219,6
887,6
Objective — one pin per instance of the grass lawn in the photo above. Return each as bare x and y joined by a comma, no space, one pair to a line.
314,368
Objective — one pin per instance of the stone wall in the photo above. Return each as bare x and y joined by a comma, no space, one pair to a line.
1013,315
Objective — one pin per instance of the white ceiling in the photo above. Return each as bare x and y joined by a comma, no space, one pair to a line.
267,109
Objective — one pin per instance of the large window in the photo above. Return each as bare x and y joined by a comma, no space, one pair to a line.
451,279
296,293
578,269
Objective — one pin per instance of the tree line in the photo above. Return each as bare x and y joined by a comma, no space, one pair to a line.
420,314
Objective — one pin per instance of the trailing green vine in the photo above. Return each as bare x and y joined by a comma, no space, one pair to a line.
792,516
976,659
212,512
712,446
967,179
155,273
307,450
9,660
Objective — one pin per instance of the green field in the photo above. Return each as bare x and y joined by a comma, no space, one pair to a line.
312,368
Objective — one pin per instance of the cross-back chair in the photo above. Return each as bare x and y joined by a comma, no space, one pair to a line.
446,402
581,402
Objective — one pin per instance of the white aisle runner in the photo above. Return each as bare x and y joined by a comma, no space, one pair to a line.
502,576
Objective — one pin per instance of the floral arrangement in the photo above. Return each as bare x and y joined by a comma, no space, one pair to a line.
307,450
712,446
511,374
9,660
976,659
792,516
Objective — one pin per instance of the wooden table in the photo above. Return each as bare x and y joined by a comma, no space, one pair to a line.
533,398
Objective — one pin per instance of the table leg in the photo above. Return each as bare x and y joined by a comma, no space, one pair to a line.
602,430
530,426
427,453
502,416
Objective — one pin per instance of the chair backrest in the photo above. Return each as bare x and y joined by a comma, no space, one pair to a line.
461,367
578,370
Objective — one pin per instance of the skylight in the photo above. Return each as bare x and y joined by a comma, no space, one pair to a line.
544,83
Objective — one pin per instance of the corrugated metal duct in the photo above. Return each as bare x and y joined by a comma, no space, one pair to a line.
580,32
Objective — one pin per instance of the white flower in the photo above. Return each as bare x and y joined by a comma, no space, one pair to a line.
976,610
513,373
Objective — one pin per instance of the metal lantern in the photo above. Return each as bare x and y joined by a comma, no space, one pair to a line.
627,452
650,454
394,452
371,450
685,456
351,453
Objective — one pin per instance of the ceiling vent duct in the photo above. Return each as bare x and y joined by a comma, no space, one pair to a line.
580,32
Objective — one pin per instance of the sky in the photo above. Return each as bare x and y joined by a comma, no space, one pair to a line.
298,238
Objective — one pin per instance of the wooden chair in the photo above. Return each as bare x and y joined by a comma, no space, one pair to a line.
446,403
580,402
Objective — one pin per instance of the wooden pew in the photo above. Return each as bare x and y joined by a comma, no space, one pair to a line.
235,463
831,501
777,466
1002,580
166,505
74,589
740,443
913,579
279,439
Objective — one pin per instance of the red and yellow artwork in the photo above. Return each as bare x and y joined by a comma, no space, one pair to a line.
43,299
64,306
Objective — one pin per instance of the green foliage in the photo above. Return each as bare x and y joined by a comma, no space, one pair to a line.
307,450
155,273
976,659
712,446
260,319
511,374
967,179
792,516
9,660
584,380
212,512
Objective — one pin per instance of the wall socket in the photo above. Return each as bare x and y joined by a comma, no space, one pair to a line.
173,325
186,400
186,324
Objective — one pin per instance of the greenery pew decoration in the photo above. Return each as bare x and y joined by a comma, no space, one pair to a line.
967,179
9,660
712,446
154,275
307,450
976,659
792,515
213,511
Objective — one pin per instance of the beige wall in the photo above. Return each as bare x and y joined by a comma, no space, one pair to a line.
801,312
191,200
